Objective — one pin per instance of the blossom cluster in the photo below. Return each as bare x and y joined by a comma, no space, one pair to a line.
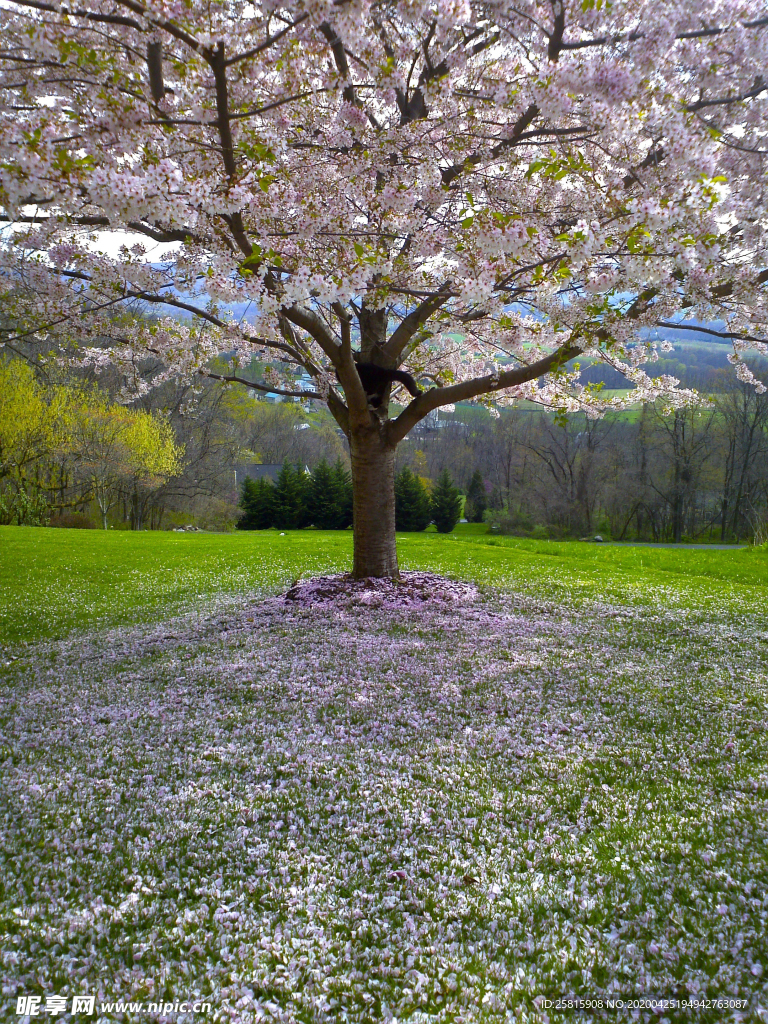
459,160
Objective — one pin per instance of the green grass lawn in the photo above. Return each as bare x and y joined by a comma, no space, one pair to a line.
553,785
53,581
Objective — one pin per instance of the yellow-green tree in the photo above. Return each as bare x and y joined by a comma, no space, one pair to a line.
33,421
107,448
154,457
122,449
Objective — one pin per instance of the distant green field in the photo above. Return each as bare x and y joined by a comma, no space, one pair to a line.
53,581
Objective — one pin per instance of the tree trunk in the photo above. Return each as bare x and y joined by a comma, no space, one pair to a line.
373,490
723,520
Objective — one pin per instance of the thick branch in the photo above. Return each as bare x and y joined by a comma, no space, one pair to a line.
526,118
108,19
756,89
410,325
314,326
722,291
652,160
358,413
468,389
269,41
152,231
169,26
218,66
342,64
339,411
556,37
155,68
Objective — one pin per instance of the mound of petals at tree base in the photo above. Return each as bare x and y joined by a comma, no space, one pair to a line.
319,813
411,589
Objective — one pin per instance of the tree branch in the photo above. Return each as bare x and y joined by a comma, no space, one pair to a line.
756,89
524,120
489,384
155,68
108,19
234,379
152,231
342,64
269,41
406,330
556,36
165,23
339,411
729,335
314,326
632,37
218,66
653,159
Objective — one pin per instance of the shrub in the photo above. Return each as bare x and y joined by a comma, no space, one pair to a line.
604,528
446,503
513,524
22,509
343,483
69,520
217,515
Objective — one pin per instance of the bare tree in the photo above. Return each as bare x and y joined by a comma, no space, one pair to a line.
744,424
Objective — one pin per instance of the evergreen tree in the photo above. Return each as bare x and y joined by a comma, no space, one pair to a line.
413,509
257,502
329,499
291,507
343,484
477,502
446,503
323,506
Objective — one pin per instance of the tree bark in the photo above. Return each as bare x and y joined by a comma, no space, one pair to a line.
373,495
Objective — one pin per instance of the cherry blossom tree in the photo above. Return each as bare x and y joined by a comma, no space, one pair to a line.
478,192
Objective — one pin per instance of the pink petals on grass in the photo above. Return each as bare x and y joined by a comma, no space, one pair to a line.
410,590
370,800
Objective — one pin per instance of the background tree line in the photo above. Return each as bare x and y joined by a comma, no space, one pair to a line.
697,473
70,454
323,499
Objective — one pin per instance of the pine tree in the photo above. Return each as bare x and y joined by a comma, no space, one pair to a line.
291,498
257,503
413,509
329,497
323,510
477,502
343,484
446,503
